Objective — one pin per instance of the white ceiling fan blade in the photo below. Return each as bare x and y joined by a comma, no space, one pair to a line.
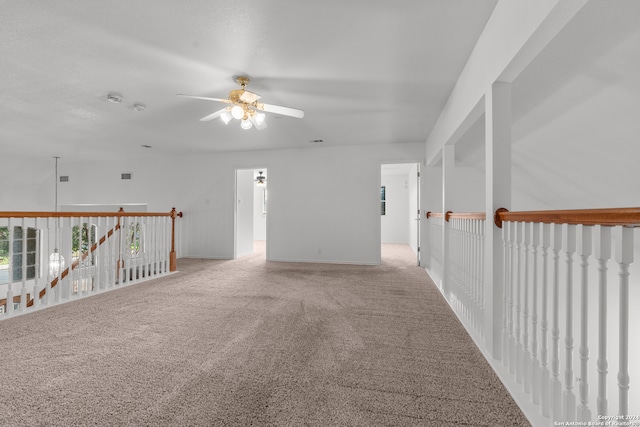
249,97
213,115
285,111
205,98
260,126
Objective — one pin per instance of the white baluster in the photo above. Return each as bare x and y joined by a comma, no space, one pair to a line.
68,283
477,281
584,250
518,284
124,231
506,251
467,276
512,345
536,372
556,388
167,242
112,259
9,309
23,289
481,275
153,248
456,256
526,355
545,384
47,293
79,273
460,274
602,254
624,257
146,245
36,291
97,256
58,289
569,398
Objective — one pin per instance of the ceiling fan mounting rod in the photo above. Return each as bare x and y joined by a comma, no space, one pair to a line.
242,81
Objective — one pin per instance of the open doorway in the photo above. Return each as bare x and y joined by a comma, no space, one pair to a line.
399,209
251,212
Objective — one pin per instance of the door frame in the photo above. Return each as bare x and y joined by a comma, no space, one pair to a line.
235,208
418,214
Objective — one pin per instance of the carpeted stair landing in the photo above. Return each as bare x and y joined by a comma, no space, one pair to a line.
253,343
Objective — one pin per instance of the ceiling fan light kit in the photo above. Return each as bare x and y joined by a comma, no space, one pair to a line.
246,108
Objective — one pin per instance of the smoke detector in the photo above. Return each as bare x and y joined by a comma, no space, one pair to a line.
114,97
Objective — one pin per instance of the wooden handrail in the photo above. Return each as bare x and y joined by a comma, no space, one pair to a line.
629,217
462,215
435,214
468,215
28,214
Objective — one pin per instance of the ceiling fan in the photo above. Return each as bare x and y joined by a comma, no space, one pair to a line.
244,106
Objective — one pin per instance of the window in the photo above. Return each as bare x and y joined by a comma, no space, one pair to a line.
81,242
25,253
383,200
4,255
134,239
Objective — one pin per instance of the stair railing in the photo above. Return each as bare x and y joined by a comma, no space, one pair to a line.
132,247
565,324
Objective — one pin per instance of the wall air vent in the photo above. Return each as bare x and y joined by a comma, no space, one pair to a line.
64,178
126,175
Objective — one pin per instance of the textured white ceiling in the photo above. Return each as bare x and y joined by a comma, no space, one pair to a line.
365,72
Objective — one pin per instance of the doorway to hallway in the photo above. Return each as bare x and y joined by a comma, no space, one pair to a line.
251,212
399,205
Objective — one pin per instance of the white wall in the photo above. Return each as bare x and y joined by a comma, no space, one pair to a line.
395,222
244,212
323,201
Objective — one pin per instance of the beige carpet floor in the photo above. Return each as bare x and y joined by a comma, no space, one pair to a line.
253,343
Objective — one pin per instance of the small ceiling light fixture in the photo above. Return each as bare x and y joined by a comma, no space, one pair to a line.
114,97
259,118
261,180
139,107
237,112
246,124
226,117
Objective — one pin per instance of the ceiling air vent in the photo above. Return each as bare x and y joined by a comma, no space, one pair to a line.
126,175
64,178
